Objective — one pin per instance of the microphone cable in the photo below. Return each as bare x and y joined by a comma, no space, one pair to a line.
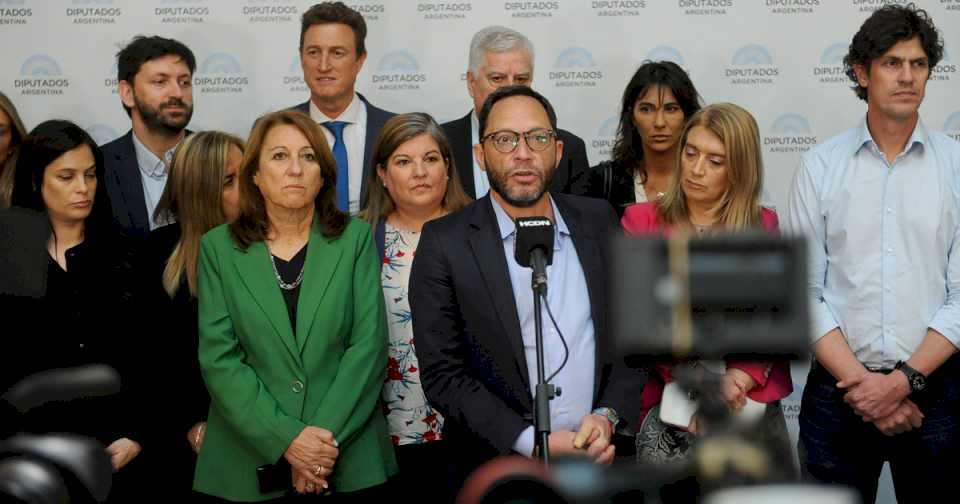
566,350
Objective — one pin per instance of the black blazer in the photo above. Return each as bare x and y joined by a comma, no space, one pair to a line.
176,397
467,329
125,187
376,118
610,181
573,165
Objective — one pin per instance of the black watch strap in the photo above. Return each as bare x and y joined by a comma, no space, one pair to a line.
915,378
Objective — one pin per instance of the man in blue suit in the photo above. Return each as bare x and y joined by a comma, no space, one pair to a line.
155,77
332,53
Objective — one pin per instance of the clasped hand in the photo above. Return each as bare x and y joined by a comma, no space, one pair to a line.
312,455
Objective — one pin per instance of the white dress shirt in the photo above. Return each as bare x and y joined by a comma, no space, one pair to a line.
354,136
153,174
883,241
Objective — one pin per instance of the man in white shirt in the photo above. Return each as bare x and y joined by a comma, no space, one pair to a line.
880,206
332,52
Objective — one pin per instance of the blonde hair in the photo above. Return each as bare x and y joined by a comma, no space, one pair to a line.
194,197
17,133
739,206
395,132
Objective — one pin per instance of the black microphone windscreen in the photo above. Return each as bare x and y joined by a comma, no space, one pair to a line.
533,233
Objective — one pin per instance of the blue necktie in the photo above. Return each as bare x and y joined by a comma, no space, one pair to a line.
340,154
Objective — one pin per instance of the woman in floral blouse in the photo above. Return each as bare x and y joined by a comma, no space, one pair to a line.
413,181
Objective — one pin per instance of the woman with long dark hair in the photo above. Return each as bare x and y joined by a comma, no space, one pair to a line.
656,104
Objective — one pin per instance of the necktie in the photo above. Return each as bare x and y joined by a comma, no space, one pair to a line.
340,154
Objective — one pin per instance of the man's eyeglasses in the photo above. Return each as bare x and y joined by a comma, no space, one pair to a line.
506,141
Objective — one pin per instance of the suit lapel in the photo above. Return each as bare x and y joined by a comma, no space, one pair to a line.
323,257
590,254
463,153
254,270
131,185
488,252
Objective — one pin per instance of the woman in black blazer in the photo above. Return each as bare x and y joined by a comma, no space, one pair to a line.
83,317
201,193
656,104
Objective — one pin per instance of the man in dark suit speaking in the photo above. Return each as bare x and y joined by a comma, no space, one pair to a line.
472,306
499,57
155,77
332,52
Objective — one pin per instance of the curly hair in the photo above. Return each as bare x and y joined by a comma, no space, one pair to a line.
885,28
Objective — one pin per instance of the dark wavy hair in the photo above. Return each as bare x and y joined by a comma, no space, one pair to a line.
41,147
885,28
628,147
251,224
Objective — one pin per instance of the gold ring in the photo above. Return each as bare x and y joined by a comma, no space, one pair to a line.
317,472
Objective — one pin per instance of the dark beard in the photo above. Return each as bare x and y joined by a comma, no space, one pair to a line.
159,124
499,185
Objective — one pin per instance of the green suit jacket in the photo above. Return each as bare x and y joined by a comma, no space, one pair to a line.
266,384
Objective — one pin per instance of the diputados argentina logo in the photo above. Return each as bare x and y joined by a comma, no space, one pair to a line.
790,133
40,75
14,12
830,69
112,82
220,73
705,7
263,11
945,69
952,126
792,6
398,71
872,5
293,80
575,67
93,12
950,5
542,9
444,10
752,65
371,10
618,8
665,53
606,136
182,11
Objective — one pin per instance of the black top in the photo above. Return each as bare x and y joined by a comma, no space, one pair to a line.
289,272
84,318
609,180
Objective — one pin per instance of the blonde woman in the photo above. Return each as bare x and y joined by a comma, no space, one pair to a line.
201,193
12,133
715,187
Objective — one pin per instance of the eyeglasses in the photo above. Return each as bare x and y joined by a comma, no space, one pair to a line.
506,141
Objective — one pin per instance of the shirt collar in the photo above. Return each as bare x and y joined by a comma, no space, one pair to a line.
508,227
919,138
149,163
350,114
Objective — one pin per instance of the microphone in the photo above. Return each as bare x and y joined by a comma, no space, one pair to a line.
533,247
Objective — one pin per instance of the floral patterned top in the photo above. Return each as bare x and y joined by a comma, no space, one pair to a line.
409,418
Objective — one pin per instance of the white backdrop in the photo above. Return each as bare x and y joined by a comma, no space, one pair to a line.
780,59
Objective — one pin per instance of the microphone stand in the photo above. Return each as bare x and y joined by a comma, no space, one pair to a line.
544,391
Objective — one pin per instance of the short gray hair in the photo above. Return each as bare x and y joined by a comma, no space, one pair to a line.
496,39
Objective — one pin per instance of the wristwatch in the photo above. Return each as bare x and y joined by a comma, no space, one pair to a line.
915,378
610,414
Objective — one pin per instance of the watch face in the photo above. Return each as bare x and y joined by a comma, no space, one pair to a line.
917,383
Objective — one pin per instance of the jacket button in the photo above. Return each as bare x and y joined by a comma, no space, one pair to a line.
297,386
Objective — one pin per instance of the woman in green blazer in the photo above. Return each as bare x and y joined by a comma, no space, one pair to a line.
293,338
